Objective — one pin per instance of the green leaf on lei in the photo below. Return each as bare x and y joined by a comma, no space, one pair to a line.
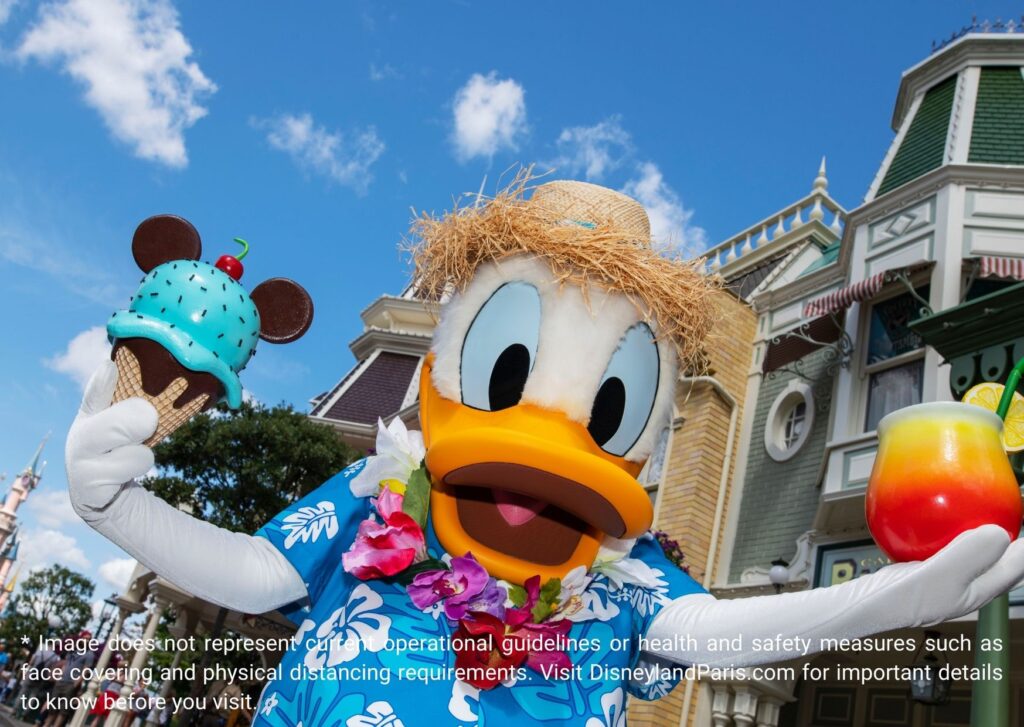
548,599
551,590
406,576
417,496
518,595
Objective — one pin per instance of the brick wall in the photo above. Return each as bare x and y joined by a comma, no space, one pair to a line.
694,466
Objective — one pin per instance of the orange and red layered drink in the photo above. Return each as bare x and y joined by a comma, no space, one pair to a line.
940,470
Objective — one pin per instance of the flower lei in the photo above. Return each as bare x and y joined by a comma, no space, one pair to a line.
499,626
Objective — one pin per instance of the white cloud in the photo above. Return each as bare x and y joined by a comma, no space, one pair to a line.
51,508
670,221
134,63
5,9
117,571
41,548
22,245
346,160
83,355
384,72
490,115
594,150
606,147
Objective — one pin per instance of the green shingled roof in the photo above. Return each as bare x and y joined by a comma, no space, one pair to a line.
828,256
998,136
923,147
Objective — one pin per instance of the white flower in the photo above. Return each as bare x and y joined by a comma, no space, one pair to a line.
354,627
629,571
613,549
646,590
377,714
459,705
308,522
269,704
614,714
570,600
583,598
399,454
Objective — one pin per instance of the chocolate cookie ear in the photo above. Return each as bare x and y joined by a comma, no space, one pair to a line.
163,238
286,310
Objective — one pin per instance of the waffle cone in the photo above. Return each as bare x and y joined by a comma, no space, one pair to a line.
129,384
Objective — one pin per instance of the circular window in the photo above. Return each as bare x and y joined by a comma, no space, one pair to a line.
789,421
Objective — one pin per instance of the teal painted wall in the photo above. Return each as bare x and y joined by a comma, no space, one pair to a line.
779,498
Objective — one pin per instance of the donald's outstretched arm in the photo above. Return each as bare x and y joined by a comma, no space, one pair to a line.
965,575
104,454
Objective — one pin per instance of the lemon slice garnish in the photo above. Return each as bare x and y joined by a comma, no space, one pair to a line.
987,396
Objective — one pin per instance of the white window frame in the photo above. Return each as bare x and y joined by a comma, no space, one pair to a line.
775,425
866,370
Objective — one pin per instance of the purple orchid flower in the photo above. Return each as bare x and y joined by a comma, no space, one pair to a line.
491,600
456,587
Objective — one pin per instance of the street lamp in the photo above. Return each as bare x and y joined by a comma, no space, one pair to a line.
928,684
779,574
106,618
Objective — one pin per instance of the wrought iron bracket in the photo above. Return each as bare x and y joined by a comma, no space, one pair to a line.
837,354
903,276
973,272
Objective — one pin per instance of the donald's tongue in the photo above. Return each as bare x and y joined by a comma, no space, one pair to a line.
517,509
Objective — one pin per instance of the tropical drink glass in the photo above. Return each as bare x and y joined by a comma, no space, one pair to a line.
940,470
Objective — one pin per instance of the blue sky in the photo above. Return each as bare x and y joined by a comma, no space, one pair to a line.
313,130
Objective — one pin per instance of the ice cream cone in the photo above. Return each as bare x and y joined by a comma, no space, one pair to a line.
129,384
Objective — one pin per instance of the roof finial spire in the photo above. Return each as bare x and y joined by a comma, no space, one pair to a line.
9,586
32,467
820,181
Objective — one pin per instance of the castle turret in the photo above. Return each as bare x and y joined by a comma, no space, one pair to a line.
7,589
8,555
24,483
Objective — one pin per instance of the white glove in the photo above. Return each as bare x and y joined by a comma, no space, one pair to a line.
965,575
104,454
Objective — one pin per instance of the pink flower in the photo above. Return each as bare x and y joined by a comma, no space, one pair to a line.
518,616
545,645
385,549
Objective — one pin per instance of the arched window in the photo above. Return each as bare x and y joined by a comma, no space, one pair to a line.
789,421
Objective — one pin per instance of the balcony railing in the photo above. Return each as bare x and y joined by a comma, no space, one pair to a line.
817,206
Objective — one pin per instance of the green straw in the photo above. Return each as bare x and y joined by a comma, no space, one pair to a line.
1011,386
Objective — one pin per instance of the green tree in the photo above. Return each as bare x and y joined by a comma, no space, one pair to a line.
237,469
55,593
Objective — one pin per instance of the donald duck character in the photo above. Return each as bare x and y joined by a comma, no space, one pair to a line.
497,567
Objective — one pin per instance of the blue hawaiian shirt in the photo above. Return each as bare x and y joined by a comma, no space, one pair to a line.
365,655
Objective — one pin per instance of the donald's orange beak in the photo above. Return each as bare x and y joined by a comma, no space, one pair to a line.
524,489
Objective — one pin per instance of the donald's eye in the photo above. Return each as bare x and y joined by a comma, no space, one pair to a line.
500,348
625,398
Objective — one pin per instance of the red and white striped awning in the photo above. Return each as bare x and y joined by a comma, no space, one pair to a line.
843,298
1001,267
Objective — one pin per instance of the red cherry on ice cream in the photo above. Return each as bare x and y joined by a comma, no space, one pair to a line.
233,265
230,265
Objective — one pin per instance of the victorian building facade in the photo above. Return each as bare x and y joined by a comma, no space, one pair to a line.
844,339
826,327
